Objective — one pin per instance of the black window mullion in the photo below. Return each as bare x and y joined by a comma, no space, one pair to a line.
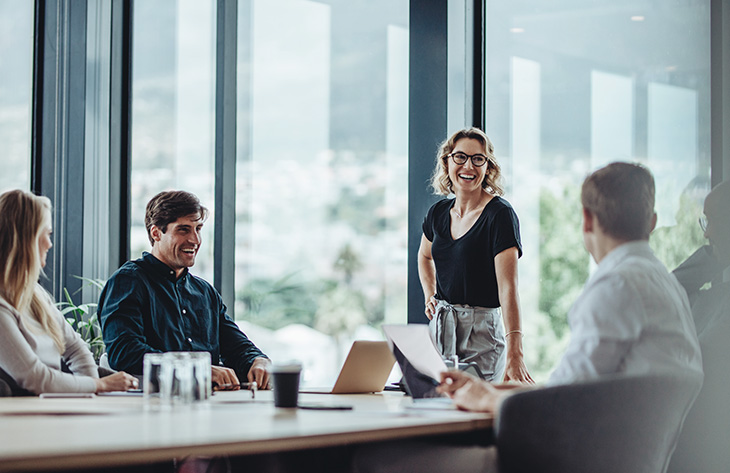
225,150
427,119
479,59
120,133
57,147
720,90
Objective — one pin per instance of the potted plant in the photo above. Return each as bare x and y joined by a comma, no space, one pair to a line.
84,320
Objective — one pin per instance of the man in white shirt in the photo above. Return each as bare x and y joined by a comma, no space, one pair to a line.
632,317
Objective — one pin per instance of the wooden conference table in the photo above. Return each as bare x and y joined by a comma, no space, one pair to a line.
45,434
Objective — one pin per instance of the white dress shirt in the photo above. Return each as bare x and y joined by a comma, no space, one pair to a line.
632,317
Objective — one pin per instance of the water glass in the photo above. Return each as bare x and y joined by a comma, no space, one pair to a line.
202,381
177,378
151,378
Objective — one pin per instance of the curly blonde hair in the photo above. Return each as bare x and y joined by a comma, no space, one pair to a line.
440,180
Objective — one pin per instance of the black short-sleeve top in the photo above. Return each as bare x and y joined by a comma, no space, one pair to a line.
465,267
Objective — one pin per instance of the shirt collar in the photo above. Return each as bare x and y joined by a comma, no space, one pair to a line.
618,254
161,269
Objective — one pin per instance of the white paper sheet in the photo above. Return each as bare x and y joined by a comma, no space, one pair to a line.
414,341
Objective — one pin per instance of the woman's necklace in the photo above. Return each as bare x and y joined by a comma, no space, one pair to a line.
458,214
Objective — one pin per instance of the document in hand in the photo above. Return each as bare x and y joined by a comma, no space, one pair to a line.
417,357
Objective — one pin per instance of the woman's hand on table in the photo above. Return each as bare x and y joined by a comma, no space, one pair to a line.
516,371
119,381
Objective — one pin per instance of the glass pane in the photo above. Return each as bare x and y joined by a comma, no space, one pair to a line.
173,111
16,85
321,224
585,84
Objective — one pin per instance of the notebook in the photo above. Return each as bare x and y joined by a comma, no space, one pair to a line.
366,369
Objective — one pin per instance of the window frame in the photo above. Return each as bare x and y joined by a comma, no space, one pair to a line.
58,155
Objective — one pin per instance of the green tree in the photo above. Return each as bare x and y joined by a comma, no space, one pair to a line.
339,312
275,303
674,244
348,262
564,261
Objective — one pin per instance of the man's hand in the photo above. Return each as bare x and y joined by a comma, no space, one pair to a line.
259,372
224,379
467,392
473,394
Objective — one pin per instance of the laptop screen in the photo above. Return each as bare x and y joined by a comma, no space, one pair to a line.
418,359
418,385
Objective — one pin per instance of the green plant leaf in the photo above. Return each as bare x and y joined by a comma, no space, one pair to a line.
66,310
85,320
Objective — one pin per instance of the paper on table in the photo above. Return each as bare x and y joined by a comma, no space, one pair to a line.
414,341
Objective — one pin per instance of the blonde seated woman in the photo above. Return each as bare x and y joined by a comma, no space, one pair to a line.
34,337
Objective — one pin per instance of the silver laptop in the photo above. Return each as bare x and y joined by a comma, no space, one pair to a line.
366,369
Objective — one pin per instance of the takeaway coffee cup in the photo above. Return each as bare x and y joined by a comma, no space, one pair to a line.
285,377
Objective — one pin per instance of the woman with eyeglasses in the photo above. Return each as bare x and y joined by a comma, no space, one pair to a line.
467,261
34,337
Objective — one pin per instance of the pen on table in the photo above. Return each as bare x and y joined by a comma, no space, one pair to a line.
252,386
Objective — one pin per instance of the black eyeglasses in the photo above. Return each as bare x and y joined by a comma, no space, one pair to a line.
477,160
703,223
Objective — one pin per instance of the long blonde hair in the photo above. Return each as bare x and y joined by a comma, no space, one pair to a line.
23,216
440,180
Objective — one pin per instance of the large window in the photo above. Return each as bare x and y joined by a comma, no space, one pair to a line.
173,111
321,241
571,87
321,224
16,85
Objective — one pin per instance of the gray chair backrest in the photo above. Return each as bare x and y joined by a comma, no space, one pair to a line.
5,389
8,386
613,424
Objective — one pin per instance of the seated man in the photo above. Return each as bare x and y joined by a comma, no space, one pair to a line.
632,317
706,265
153,304
703,445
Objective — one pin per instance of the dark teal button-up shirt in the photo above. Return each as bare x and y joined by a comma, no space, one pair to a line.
144,308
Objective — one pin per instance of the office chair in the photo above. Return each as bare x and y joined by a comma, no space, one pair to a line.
8,386
5,389
614,424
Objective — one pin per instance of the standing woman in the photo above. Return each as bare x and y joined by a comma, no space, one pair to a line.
34,337
467,261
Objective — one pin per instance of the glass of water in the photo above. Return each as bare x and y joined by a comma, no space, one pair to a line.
202,382
177,378
152,379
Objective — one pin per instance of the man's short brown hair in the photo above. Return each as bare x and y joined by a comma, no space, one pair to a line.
168,206
621,196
